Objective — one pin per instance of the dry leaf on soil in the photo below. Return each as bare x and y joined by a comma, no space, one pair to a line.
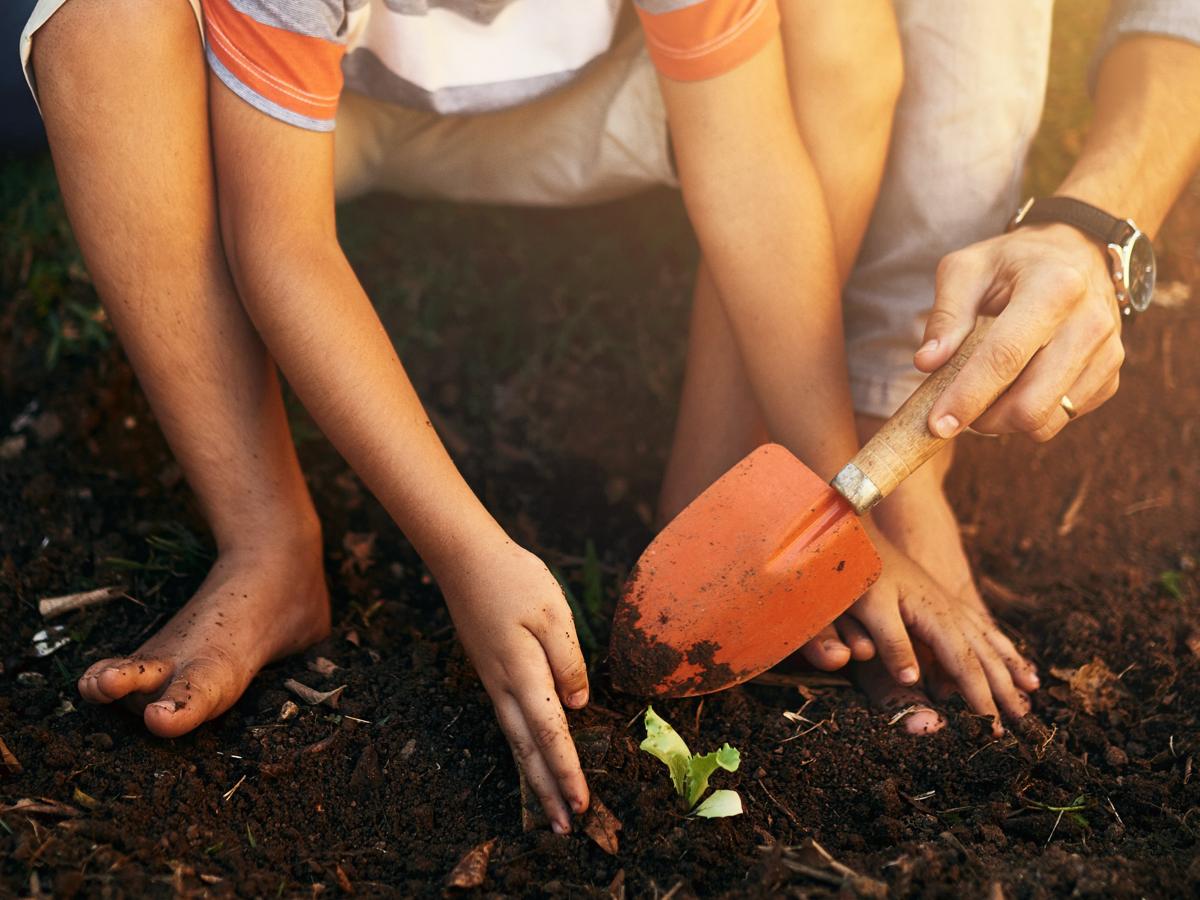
313,696
1094,684
322,666
472,868
602,826
8,760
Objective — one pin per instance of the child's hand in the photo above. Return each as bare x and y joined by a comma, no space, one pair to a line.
973,653
515,624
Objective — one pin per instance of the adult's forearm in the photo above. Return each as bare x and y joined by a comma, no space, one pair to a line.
1144,142
322,330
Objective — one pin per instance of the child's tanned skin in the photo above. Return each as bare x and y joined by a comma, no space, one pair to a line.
126,101
275,190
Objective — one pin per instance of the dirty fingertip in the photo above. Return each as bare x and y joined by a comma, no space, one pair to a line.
908,675
577,700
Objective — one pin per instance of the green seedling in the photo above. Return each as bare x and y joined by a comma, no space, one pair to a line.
1172,583
690,773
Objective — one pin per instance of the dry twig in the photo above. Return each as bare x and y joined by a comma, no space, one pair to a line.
50,607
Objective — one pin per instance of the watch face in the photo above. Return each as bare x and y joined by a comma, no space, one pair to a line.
1141,273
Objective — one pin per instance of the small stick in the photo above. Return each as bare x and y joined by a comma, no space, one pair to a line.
228,795
787,812
1070,517
1114,811
51,607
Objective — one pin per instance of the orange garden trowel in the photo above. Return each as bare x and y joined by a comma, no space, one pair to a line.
764,559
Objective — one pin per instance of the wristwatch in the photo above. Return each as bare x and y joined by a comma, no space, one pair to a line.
1130,253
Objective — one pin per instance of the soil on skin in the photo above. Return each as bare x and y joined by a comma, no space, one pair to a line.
1094,795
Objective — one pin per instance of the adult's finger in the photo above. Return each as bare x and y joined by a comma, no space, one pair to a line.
1033,400
1098,382
1024,327
963,278
567,665
528,756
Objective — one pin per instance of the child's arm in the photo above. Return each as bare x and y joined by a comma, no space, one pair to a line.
756,200
275,185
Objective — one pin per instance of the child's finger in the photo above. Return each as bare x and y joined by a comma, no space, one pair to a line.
566,663
528,756
960,661
890,636
826,651
547,724
861,646
1010,699
1024,673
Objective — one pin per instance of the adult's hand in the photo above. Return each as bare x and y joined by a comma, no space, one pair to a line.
1057,332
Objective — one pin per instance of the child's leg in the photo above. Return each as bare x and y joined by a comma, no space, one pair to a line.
719,421
123,89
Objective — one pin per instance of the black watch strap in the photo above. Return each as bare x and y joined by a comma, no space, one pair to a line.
1069,211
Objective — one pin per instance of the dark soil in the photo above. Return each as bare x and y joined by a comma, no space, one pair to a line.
1087,546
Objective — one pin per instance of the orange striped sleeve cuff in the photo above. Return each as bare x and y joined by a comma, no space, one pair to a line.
691,41
296,78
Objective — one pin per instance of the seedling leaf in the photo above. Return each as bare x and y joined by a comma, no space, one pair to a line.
664,744
719,804
690,774
701,767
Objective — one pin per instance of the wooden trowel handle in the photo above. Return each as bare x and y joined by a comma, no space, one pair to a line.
904,443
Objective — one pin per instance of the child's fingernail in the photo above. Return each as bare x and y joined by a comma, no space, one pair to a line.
558,828
908,675
1034,680
946,426
835,647
929,346
168,705
578,805
577,699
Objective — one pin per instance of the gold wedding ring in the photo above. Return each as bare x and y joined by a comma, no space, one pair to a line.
1068,407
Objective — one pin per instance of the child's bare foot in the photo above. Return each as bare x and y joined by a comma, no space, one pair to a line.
256,605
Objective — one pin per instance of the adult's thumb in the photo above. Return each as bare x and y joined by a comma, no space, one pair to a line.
962,278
